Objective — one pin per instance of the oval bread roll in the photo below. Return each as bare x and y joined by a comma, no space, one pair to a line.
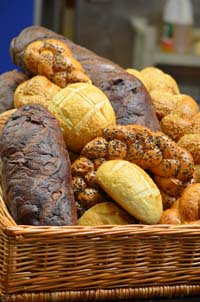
132,188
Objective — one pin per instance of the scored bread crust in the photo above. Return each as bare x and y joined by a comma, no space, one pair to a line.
132,188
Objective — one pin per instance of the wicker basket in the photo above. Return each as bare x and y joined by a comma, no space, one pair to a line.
97,263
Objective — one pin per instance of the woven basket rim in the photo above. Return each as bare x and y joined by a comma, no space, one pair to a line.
9,227
109,230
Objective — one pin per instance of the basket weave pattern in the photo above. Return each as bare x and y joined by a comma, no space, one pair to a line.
97,263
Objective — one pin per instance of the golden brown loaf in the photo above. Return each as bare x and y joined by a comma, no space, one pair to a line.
159,80
54,60
167,103
187,208
4,117
83,110
178,113
186,106
163,101
191,142
196,123
132,188
37,90
176,126
164,159
196,173
106,213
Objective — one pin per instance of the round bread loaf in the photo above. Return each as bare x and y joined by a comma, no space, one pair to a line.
186,209
157,79
191,142
176,126
132,188
37,90
83,110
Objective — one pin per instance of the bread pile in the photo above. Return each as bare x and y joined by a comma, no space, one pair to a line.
80,142
178,113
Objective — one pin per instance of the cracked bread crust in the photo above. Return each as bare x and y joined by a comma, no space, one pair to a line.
36,170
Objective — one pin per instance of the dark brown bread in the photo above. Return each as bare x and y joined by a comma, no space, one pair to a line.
128,96
8,83
36,171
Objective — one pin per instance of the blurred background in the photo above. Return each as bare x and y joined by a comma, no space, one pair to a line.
127,32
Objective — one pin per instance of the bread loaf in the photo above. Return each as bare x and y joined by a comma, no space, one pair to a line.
159,80
83,110
171,166
191,142
8,83
132,188
129,98
4,117
36,171
106,213
37,90
186,209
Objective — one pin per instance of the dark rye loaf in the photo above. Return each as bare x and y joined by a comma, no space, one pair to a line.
36,171
8,83
126,93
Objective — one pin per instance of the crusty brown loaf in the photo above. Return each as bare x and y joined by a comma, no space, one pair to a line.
36,171
4,117
8,83
154,152
127,94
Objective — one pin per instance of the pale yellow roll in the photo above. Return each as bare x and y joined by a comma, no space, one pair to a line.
105,213
132,188
83,110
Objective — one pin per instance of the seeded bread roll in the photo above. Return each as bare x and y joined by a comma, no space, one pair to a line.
132,188
36,171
